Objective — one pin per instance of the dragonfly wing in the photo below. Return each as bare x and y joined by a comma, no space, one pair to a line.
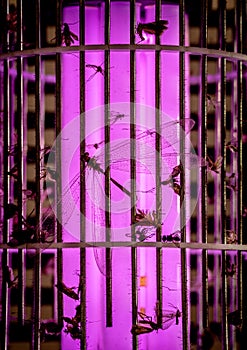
97,200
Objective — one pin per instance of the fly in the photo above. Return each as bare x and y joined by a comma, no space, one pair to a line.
68,36
67,291
173,237
154,28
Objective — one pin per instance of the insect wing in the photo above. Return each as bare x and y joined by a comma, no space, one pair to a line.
139,329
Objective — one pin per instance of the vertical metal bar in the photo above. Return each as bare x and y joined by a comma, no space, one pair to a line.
19,130
58,161
82,180
224,295
6,143
133,166
182,177
107,172
37,260
239,39
204,194
158,169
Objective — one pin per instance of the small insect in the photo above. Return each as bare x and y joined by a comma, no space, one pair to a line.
234,319
141,235
12,151
231,182
215,166
231,237
211,103
138,329
154,28
144,319
13,172
168,316
68,37
23,236
11,210
49,174
67,291
173,237
49,329
73,328
231,270
97,69
12,19
231,147
11,280
145,218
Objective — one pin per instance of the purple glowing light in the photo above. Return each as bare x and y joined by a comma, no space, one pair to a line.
119,336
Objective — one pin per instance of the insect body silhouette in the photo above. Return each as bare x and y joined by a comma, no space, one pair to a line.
68,37
155,28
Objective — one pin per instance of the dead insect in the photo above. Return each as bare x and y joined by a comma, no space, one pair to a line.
97,69
145,218
12,19
154,28
168,316
11,210
9,277
231,270
73,324
231,182
231,237
141,235
234,319
211,103
49,174
215,166
68,37
67,291
233,148
138,329
173,237
49,329
23,236
144,319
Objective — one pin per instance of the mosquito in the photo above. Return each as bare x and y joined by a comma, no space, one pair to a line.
154,28
97,69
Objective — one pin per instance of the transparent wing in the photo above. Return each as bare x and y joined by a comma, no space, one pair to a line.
97,216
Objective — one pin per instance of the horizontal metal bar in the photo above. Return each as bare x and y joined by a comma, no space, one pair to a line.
74,49
189,245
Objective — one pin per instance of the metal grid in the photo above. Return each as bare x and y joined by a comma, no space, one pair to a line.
217,98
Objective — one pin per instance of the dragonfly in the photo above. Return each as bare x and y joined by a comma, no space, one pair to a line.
94,173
